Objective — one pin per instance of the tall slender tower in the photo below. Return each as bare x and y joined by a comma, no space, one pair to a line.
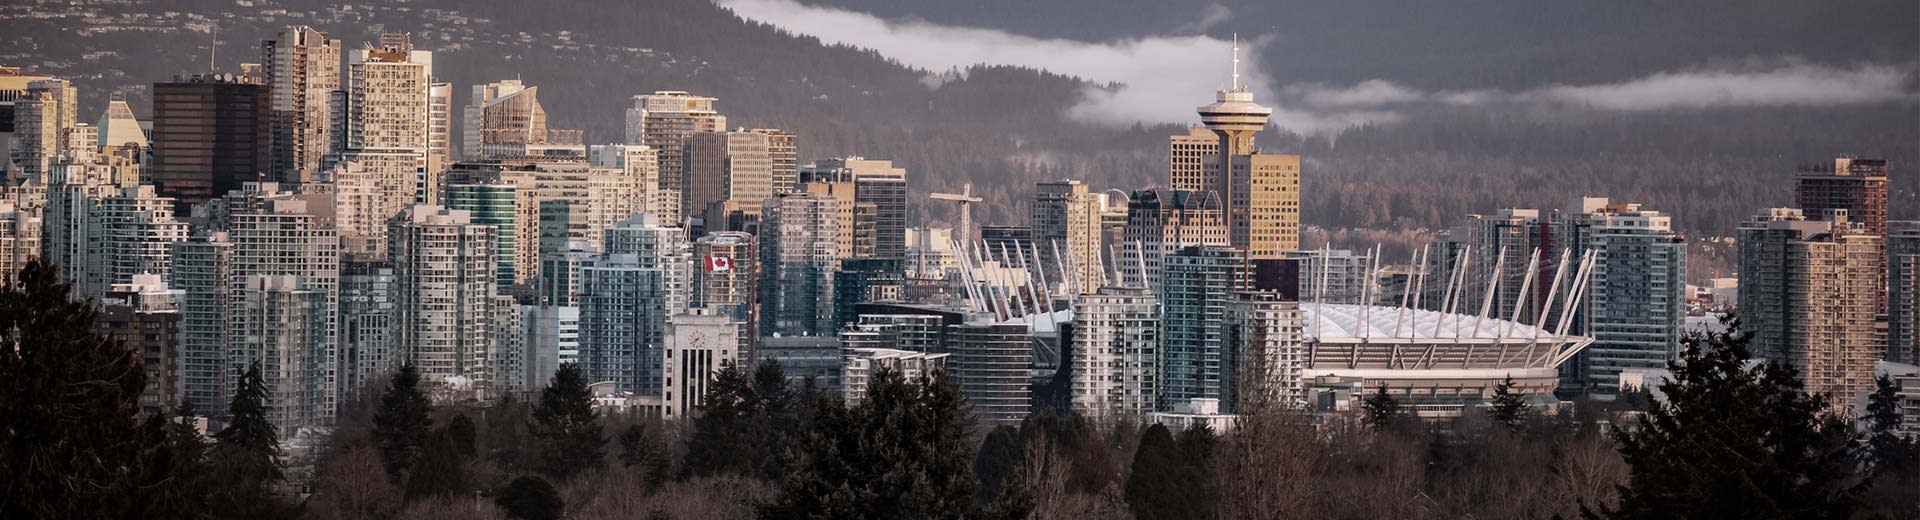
1261,191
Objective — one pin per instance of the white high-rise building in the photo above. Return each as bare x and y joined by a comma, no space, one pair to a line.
1263,329
443,275
380,162
42,119
281,323
285,244
698,345
665,120
1116,353
19,238
130,235
1637,306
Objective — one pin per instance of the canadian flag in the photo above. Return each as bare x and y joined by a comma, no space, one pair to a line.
719,263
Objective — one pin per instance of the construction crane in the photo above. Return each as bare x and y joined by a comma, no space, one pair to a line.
966,199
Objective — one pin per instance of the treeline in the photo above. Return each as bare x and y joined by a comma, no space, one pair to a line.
1731,440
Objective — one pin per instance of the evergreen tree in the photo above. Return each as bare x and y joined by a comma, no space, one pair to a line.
1891,452
531,498
1154,488
1382,410
401,424
1508,408
720,432
997,462
69,445
566,427
902,452
1737,442
246,451
946,450
1197,447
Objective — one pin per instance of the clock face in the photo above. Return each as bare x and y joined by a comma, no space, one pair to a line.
697,339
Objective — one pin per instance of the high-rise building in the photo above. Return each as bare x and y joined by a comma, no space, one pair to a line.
1066,217
550,337
841,191
556,204
43,117
387,90
280,234
699,344
1162,221
873,203
797,262
445,285
993,363
75,188
1809,293
211,134
1856,186
1115,357
665,120
726,278
280,323
1636,306
144,315
627,297
1198,285
19,239
1903,292
203,272
637,171
303,70
783,147
383,135
865,280
439,136
370,189
1187,157
13,91
129,234
888,198
1509,239
1198,358
1339,275
726,166
1264,333
859,364
492,204
368,310
508,360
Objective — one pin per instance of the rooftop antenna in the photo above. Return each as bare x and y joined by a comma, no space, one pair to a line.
1236,61
213,51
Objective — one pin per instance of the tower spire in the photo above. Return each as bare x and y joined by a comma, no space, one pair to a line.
1236,61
